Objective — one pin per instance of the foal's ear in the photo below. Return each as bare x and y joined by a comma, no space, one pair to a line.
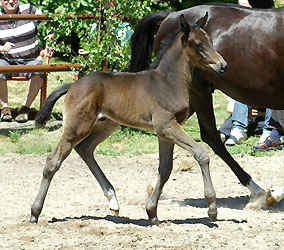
202,21
184,26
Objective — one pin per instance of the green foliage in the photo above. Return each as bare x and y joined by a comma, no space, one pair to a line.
14,136
102,44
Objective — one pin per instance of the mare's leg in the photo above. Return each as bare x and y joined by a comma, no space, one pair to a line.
101,131
173,131
201,100
165,169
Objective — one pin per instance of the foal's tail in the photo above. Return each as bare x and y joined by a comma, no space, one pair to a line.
44,114
143,39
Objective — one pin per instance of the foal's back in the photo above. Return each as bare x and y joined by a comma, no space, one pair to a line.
123,97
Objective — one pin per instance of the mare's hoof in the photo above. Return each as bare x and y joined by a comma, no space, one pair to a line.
274,195
257,201
33,219
114,212
270,201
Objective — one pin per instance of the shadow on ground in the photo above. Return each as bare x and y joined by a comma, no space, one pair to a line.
238,202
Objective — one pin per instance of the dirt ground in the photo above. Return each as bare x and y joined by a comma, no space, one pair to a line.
76,214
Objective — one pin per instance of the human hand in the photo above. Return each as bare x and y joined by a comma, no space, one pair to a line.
48,52
7,47
83,52
254,113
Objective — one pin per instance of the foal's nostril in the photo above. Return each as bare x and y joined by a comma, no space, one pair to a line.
223,68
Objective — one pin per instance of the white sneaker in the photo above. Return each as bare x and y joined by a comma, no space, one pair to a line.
236,137
263,137
223,137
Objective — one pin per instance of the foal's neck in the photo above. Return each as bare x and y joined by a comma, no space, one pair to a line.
175,63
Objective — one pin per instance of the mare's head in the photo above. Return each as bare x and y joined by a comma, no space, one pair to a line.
199,46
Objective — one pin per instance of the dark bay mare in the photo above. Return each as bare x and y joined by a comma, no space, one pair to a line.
250,40
157,99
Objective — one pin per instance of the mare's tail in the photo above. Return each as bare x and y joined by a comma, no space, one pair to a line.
44,114
143,39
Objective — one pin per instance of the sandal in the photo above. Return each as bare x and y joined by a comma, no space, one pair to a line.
23,114
6,115
263,147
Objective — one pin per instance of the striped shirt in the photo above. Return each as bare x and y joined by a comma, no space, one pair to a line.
23,33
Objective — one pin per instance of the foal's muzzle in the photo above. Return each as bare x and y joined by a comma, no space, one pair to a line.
220,67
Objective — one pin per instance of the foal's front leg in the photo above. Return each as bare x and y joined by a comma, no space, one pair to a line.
173,131
201,100
165,169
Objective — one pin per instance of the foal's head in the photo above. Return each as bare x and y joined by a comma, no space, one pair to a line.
199,46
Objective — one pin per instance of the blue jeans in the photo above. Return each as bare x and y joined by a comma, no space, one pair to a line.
240,117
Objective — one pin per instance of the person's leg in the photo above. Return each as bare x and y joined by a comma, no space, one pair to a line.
276,123
240,123
225,129
5,111
6,114
3,93
268,113
240,116
272,142
35,83
265,131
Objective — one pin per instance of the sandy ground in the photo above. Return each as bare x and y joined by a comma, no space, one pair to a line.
76,214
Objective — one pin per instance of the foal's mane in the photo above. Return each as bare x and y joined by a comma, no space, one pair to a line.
164,46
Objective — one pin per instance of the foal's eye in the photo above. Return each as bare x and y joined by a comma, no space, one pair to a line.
198,46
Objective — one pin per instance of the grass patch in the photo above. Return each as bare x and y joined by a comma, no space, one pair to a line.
35,142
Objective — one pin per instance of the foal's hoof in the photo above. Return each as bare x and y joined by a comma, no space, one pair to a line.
212,215
33,219
154,221
114,212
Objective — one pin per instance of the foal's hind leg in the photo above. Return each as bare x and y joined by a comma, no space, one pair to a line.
174,132
165,169
75,130
85,149
53,162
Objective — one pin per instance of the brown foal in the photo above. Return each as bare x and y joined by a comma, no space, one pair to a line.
158,99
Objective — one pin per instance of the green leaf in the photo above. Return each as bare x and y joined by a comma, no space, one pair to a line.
84,2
